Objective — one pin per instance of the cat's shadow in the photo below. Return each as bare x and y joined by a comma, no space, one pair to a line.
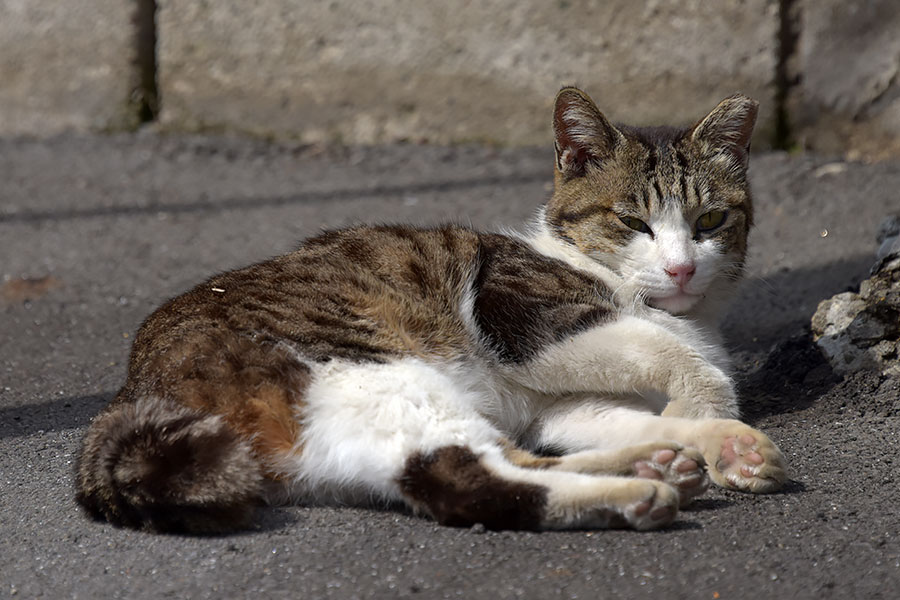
706,504
58,414
770,309
792,486
793,377
779,368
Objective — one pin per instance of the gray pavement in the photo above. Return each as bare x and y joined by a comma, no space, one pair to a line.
96,231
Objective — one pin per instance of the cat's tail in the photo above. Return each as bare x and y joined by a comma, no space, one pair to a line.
156,465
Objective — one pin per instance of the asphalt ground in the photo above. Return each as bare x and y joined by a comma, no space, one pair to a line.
96,231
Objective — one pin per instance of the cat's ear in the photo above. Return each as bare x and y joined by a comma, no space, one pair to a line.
583,135
726,130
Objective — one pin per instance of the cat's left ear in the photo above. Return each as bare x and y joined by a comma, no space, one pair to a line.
726,130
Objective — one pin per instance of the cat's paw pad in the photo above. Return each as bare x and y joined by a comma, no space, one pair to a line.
657,508
743,458
682,468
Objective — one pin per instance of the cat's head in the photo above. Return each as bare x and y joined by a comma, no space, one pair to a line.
668,209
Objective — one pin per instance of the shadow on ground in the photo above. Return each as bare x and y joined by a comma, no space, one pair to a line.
779,369
52,415
782,304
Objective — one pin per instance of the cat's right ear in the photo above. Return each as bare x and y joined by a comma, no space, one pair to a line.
583,135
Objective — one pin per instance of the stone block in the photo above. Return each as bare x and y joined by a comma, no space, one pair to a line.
66,65
368,71
847,99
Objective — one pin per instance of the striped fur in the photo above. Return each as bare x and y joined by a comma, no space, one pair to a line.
437,367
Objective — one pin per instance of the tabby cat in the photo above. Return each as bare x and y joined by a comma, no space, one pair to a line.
568,377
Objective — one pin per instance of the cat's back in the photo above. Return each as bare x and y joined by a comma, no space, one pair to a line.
372,292
363,292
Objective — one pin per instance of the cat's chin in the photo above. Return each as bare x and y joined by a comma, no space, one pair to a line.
677,304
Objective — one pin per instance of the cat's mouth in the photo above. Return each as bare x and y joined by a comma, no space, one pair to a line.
677,303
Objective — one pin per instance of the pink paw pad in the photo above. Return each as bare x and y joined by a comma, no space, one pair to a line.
645,471
664,457
651,470
685,474
641,509
739,450
663,513
687,466
746,460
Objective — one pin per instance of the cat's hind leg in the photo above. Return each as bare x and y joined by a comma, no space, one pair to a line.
408,431
458,485
671,462
187,444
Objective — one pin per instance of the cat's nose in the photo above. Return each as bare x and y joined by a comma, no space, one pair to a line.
681,273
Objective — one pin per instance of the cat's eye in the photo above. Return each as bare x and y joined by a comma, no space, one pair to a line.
635,224
711,220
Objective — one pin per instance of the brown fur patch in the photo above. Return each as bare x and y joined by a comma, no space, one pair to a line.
255,386
453,486
361,294
524,300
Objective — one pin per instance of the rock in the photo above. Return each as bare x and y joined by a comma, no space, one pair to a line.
861,330
889,238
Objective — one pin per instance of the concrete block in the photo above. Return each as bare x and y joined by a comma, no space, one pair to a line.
66,65
848,95
368,71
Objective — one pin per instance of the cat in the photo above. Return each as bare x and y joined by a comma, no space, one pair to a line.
567,377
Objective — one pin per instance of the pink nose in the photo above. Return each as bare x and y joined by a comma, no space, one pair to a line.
681,273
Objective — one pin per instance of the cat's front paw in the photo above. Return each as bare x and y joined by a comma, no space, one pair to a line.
742,458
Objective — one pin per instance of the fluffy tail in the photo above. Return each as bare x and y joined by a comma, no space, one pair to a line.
155,465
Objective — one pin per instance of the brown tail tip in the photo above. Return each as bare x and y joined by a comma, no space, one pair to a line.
159,466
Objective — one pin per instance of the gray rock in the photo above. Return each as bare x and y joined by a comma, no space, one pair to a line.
889,238
861,330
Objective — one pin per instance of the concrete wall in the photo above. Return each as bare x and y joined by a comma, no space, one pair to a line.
371,71
67,65
368,71
847,96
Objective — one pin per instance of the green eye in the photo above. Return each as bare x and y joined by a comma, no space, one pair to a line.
635,224
711,220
